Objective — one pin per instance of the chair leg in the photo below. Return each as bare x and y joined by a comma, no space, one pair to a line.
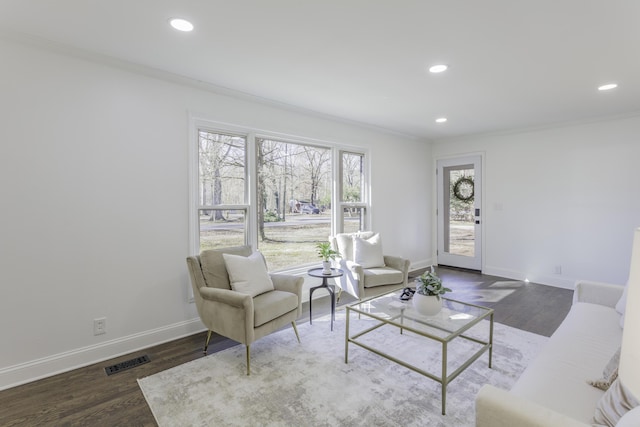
248,360
295,329
206,344
339,295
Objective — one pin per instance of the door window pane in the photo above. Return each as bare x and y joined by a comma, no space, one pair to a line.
460,229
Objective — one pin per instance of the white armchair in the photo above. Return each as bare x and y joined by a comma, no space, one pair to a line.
367,272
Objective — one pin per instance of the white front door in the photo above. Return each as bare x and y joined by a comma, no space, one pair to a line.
459,184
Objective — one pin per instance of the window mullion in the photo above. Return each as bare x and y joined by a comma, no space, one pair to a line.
252,190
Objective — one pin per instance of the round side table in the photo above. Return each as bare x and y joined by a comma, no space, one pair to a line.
317,272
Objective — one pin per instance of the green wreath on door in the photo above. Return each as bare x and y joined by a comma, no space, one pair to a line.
464,189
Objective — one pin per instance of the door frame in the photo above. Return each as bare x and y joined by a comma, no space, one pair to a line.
459,159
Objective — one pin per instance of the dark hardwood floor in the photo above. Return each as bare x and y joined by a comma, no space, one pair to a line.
88,397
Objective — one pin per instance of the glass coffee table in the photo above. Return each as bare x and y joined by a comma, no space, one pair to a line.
452,323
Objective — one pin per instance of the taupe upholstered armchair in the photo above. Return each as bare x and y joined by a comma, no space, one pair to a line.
367,272
241,316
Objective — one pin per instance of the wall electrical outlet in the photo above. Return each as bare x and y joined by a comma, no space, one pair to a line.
100,326
558,269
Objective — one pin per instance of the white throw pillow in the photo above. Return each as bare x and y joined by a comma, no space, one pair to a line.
248,275
614,404
368,252
609,374
622,305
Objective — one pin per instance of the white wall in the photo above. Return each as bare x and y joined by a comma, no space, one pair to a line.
565,196
94,193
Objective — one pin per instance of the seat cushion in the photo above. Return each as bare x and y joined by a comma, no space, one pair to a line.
273,304
578,351
382,276
213,267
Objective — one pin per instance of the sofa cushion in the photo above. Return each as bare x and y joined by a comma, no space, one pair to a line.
271,305
213,266
382,276
368,252
248,275
578,350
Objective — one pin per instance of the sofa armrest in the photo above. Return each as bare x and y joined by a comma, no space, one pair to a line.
597,293
499,408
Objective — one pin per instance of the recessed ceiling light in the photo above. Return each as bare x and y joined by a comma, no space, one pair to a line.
181,24
438,68
608,86
441,119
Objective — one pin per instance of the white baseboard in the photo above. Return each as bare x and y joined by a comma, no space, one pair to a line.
421,264
63,362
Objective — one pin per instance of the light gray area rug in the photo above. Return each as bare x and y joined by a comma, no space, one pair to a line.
308,383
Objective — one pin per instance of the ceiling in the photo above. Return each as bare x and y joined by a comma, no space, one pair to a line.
513,64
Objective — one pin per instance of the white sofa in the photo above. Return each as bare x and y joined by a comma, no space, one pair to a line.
553,390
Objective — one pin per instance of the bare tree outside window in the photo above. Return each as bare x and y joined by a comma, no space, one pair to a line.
353,207
294,189
221,182
352,177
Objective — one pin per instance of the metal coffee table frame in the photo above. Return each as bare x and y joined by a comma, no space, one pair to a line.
405,311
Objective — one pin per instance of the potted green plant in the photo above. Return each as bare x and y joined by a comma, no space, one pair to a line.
429,287
327,253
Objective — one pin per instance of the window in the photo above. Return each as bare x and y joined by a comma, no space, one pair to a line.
352,200
279,195
222,210
294,201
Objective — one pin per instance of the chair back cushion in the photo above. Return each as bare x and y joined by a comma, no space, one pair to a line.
344,243
368,252
213,267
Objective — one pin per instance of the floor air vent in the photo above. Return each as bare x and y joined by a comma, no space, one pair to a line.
127,364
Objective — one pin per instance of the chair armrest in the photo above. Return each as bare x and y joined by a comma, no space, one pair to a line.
227,296
396,262
499,408
597,293
355,268
358,272
287,282
399,264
